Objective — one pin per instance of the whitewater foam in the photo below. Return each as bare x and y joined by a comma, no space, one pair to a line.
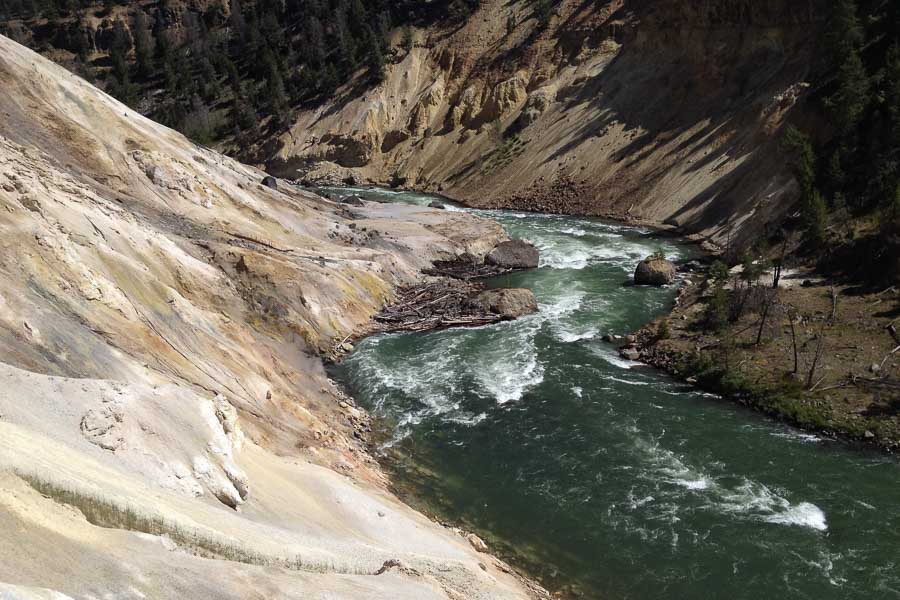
804,514
570,336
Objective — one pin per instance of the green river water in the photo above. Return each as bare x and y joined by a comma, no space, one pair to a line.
606,479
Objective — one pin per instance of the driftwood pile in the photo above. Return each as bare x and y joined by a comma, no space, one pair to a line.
436,305
464,269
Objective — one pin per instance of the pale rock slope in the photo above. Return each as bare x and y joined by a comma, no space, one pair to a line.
167,429
664,111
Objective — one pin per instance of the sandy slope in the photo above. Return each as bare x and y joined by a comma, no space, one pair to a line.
162,315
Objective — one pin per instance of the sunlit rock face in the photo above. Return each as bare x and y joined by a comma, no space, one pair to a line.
163,315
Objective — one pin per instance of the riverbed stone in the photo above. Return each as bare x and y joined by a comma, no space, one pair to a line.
436,204
270,182
654,270
514,254
630,353
508,303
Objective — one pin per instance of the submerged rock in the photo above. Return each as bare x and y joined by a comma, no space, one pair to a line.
508,303
514,254
654,270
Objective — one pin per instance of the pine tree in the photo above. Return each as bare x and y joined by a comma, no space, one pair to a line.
892,94
374,55
121,86
845,33
143,45
543,11
849,102
804,162
845,36
314,48
238,25
815,216
813,209
275,87
346,43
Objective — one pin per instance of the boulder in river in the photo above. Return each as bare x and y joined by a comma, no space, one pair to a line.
352,200
654,270
270,182
514,254
630,353
508,303
436,204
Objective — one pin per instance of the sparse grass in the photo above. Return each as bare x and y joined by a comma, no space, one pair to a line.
503,155
106,513
786,400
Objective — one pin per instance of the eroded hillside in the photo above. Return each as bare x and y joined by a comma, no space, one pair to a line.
668,112
166,423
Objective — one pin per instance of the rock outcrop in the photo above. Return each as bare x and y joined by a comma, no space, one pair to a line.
163,400
654,270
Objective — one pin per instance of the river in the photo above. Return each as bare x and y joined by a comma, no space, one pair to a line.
603,478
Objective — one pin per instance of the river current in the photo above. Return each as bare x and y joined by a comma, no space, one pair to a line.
606,479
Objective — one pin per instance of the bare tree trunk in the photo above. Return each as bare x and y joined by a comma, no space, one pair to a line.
776,274
820,347
762,321
794,343
893,331
833,304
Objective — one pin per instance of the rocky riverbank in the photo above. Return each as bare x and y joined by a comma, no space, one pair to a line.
818,354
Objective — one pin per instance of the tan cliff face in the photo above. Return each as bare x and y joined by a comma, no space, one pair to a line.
668,112
166,424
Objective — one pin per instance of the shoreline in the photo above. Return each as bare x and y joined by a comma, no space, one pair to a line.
687,365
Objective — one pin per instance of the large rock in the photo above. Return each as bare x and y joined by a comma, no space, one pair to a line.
654,270
508,303
514,254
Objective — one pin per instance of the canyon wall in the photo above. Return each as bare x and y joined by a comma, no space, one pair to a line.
668,112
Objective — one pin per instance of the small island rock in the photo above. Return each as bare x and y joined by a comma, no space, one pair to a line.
508,303
654,270
514,254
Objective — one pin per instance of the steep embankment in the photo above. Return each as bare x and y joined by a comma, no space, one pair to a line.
664,111
163,404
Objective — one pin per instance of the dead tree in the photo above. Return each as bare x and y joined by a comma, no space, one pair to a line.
893,332
767,305
820,349
833,304
791,317
779,264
